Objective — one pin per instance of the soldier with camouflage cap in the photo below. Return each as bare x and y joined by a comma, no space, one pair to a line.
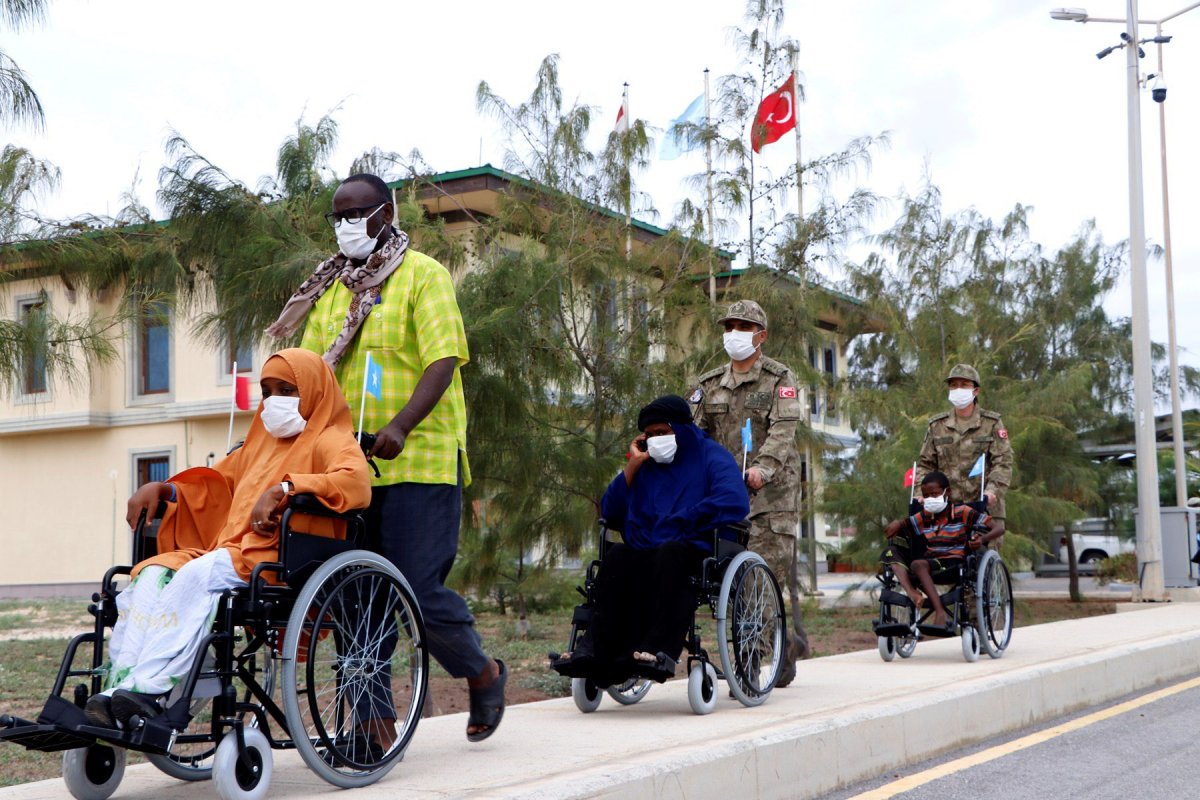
955,440
755,387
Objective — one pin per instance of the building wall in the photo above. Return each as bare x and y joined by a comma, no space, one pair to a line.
68,455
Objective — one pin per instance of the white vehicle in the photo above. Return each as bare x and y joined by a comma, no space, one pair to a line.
1094,542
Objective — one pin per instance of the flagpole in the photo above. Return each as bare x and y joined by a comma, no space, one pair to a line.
799,160
232,406
708,176
362,408
983,476
628,179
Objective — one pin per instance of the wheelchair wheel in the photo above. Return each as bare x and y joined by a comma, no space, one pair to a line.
630,691
354,658
587,695
237,780
702,687
93,772
750,628
993,604
906,646
190,761
970,643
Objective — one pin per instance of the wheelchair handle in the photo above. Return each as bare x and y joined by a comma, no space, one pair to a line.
367,441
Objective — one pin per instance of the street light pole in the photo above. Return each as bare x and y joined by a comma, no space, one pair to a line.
1172,348
1081,15
1149,533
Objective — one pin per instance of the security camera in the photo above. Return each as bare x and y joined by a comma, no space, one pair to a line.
1158,90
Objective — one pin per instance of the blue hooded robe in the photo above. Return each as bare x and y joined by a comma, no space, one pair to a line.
702,488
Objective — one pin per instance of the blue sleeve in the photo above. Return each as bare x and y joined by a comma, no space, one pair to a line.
725,497
614,506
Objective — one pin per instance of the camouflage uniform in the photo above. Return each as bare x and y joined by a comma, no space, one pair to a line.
953,444
768,395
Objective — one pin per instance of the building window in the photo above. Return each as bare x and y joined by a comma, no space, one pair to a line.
33,362
152,468
814,403
240,353
154,350
830,368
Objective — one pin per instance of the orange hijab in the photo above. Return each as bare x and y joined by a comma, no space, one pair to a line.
207,518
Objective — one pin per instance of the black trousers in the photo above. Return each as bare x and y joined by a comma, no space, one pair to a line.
644,602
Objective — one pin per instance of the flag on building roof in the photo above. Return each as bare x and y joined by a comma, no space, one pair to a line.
776,115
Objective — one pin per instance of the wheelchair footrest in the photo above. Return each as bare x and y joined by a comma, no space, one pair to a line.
894,598
892,629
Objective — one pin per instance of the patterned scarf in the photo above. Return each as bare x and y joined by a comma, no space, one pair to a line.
364,281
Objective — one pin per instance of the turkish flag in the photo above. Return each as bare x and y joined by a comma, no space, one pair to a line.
241,394
776,115
910,477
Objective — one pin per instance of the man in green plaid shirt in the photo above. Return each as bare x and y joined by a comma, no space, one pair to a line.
377,296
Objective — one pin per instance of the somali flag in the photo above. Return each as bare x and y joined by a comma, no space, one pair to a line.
978,468
374,378
675,143
747,442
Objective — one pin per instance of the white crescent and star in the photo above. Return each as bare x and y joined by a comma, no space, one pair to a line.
788,118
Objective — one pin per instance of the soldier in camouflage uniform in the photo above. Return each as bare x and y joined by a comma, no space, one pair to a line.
955,440
764,391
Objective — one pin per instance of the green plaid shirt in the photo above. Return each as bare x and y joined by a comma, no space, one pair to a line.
416,323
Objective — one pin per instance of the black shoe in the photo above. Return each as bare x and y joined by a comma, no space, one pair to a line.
126,703
99,711
359,748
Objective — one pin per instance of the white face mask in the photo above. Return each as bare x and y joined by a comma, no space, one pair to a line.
934,505
352,237
739,344
281,416
961,398
662,448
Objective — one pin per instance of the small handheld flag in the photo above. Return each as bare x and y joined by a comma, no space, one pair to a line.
747,439
374,378
910,481
909,477
978,468
371,373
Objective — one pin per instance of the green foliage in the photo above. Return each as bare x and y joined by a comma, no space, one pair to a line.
19,103
1122,567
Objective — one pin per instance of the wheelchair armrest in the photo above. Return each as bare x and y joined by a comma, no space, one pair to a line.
310,505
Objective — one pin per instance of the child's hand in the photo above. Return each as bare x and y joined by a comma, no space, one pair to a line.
892,528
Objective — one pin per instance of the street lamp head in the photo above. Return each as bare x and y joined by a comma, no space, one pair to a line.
1070,14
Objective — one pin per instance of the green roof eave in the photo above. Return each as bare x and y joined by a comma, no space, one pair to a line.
737,273
495,172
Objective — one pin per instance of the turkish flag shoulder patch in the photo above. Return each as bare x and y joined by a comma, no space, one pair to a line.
1002,433
787,392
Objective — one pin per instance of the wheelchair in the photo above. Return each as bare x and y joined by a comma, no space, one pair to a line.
979,601
745,601
281,668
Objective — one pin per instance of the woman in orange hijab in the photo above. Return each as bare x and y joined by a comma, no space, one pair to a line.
220,522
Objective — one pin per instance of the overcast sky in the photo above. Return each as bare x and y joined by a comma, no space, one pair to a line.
999,103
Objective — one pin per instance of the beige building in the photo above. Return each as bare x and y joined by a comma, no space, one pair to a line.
73,450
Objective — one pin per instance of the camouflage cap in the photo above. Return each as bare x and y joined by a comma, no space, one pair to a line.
963,371
747,310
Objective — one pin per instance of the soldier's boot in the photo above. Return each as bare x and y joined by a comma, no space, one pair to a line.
787,672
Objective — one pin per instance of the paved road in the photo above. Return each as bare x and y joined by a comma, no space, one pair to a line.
1145,748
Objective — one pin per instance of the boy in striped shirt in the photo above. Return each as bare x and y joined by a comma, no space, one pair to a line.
932,540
